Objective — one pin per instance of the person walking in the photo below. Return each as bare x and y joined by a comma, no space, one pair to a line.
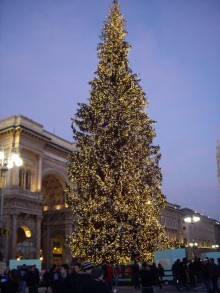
156,274
147,278
175,273
214,274
161,274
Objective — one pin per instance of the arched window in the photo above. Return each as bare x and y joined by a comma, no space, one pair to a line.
21,177
53,192
25,178
28,180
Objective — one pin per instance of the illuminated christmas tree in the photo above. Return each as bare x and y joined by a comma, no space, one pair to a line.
117,196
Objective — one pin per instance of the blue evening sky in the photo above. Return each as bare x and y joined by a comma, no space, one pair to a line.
48,55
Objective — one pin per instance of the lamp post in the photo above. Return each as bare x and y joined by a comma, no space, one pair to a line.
193,246
191,234
191,219
7,161
215,246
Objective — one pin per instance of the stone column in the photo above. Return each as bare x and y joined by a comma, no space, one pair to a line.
14,233
38,236
47,253
16,176
39,173
68,231
7,238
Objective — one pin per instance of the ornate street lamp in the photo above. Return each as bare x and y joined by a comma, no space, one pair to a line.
191,219
7,161
215,246
193,244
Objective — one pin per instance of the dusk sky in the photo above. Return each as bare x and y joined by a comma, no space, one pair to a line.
48,53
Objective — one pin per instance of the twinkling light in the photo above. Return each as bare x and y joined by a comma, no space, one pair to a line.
118,197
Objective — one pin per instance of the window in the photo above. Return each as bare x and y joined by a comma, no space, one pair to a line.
28,180
57,245
53,192
25,178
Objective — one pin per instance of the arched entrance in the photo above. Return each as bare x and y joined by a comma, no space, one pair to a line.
25,248
54,220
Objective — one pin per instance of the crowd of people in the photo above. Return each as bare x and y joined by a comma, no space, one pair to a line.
87,278
13,281
188,274
78,278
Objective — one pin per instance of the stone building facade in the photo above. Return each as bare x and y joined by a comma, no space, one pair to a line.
34,207
171,219
201,235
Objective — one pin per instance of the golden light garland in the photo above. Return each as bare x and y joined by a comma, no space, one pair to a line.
118,197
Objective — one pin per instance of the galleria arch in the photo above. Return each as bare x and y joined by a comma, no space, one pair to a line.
34,205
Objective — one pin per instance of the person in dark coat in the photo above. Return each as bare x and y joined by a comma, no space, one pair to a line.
46,279
206,274
198,269
84,280
109,279
63,284
147,277
53,278
192,273
214,274
160,273
75,276
33,279
12,284
97,283
182,275
135,275
175,273
156,274
23,278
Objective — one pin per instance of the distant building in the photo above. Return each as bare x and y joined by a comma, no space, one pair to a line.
34,208
171,219
200,232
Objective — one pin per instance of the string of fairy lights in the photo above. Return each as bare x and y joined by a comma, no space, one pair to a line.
115,167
